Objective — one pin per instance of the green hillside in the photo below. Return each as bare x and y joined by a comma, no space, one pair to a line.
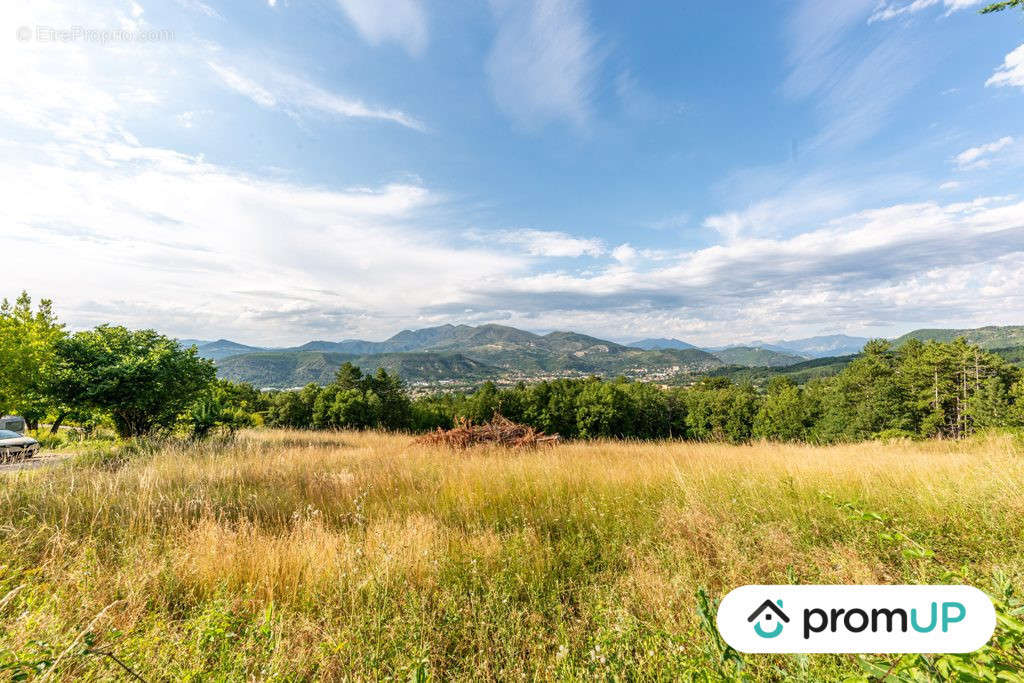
756,357
991,337
285,369
798,373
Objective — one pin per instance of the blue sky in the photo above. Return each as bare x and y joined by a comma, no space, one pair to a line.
279,171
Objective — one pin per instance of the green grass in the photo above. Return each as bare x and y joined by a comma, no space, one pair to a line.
299,555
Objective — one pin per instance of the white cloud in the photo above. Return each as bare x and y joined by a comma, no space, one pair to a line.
981,156
547,243
950,185
906,262
625,254
1011,72
780,203
160,234
200,7
296,95
244,86
544,61
890,11
854,82
379,21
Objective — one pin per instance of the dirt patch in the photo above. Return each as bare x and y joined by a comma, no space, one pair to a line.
36,461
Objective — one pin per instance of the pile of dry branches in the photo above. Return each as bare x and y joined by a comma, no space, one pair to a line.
499,431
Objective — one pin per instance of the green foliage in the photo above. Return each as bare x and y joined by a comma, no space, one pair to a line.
1000,6
27,346
1001,659
144,380
351,401
783,414
225,406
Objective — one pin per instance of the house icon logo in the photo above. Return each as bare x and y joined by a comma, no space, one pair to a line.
769,619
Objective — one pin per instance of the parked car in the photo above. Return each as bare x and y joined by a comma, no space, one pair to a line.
14,446
13,423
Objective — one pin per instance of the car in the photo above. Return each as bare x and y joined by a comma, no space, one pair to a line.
13,423
14,446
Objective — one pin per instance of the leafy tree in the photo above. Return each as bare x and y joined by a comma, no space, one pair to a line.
718,410
391,406
353,409
650,410
866,398
226,406
1000,6
28,342
483,404
287,409
144,380
782,415
604,410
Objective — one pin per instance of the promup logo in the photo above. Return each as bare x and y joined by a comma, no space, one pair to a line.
766,613
865,619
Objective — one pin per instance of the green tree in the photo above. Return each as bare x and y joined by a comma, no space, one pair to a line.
28,343
718,410
603,409
226,406
389,400
144,380
1000,6
353,409
782,414
482,404
866,398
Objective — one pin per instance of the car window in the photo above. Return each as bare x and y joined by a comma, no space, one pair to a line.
5,434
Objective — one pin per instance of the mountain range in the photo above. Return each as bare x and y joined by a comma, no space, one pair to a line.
466,354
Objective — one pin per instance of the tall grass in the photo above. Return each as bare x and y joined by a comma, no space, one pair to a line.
360,555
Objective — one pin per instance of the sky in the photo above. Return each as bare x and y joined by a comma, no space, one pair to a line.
275,171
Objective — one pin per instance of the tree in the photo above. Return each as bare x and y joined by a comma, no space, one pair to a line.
143,379
352,409
604,410
226,406
28,348
782,415
483,404
866,398
1000,6
390,403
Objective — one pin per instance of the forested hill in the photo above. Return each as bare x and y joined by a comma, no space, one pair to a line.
463,353
283,369
991,337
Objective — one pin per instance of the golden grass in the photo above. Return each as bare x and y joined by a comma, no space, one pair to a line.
362,555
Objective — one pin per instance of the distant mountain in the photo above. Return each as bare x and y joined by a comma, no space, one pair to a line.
287,369
223,348
753,357
991,337
185,343
458,352
660,343
817,347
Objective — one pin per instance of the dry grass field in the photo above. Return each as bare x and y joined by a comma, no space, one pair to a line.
298,555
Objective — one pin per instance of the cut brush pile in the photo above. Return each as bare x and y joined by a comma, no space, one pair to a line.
499,431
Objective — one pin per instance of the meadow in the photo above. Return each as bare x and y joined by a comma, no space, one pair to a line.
299,555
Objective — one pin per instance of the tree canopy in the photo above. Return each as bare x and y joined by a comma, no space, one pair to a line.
143,379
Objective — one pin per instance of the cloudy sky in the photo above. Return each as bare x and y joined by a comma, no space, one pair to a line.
285,170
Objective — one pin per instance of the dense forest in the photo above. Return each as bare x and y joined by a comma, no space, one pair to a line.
141,382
